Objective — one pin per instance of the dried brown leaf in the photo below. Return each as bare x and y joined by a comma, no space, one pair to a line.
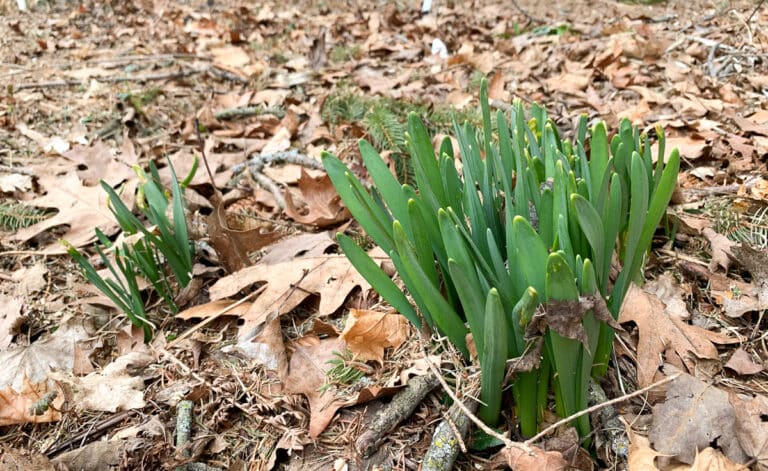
330,277
369,333
323,204
81,208
694,416
11,318
665,336
752,427
525,458
741,362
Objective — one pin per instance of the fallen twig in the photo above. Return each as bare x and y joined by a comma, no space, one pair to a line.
93,432
138,79
448,440
256,164
589,410
245,111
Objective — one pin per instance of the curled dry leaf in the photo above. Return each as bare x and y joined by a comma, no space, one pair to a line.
231,245
81,208
565,318
641,456
323,204
11,318
368,333
721,247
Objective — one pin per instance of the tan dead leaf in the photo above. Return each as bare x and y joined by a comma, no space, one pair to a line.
377,82
641,456
570,83
49,145
323,205
756,124
496,88
13,459
690,147
11,317
119,386
736,297
81,208
13,182
307,374
33,403
314,244
756,262
289,174
530,458
97,162
752,427
459,99
708,459
36,361
665,336
671,293
330,277
30,279
230,56
99,455
419,367
266,348
367,333
694,416
721,248
279,142
130,339
213,308
742,363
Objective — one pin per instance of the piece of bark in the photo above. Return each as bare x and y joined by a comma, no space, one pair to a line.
401,407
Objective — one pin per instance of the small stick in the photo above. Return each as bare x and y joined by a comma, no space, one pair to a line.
600,406
755,11
526,14
93,432
139,79
245,111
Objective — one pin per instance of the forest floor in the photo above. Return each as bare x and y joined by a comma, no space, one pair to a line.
91,90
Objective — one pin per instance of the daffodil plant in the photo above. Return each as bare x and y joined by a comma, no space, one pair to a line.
515,245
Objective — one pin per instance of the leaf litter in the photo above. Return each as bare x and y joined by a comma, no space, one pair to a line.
100,88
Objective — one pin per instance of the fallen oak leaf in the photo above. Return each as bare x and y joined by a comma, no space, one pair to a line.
35,403
81,208
741,362
694,416
288,284
661,334
307,374
324,207
531,458
751,430
368,333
